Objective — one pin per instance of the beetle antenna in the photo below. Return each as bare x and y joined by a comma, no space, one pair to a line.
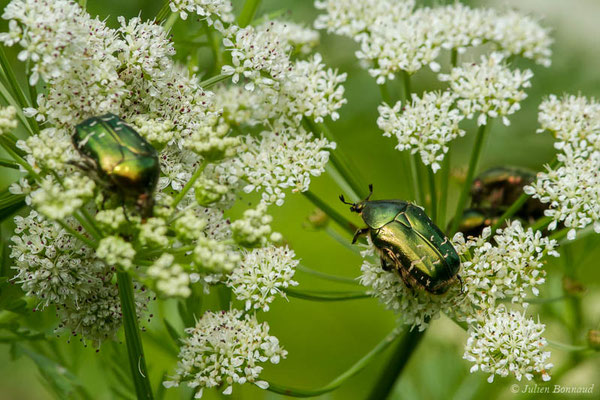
344,200
370,192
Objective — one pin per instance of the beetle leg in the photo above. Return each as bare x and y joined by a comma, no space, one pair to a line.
461,284
385,265
359,233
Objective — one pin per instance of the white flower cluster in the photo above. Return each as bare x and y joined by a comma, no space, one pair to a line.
7,119
263,274
394,37
425,126
115,251
572,188
280,160
206,9
490,273
489,88
58,201
169,277
253,229
508,269
301,38
225,348
508,343
59,270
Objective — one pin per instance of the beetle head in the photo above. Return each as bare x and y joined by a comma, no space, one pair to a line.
145,204
358,207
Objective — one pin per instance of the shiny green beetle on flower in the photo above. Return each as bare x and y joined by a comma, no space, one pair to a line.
119,158
409,243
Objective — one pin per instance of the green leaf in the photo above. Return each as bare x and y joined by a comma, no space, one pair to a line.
60,380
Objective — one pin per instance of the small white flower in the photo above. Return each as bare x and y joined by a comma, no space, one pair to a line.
254,228
215,256
154,233
169,278
301,38
115,251
489,88
508,343
57,201
425,126
225,348
211,10
8,122
263,274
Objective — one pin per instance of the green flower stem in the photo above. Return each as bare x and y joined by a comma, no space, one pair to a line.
215,47
559,235
342,165
6,96
385,94
327,277
16,89
341,182
566,347
189,184
8,163
416,183
474,161
137,362
341,240
247,13
514,208
394,367
317,295
443,204
77,235
406,81
541,223
433,193
163,13
97,232
214,80
337,382
453,58
171,19
7,146
334,215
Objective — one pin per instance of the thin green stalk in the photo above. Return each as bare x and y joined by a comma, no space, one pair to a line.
189,184
215,47
443,204
566,347
8,163
171,19
473,162
163,13
334,215
18,159
135,351
16,89
6,96
541,223
559,235
337,382
327,277
342,240
432,193
385,94
406,81
247,13
338,162
214,80
316,295
453,58
341,182
91,222
32,97
415,179
394,367
514,208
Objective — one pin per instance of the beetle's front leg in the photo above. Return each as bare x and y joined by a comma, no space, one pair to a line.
359,233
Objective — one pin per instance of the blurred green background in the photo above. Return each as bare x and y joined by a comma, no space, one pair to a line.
324,339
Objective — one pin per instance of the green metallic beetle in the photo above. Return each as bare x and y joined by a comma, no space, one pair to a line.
119,158
473,222
409,243
496,189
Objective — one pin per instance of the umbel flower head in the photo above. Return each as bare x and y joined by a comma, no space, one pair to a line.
224,348
490,273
